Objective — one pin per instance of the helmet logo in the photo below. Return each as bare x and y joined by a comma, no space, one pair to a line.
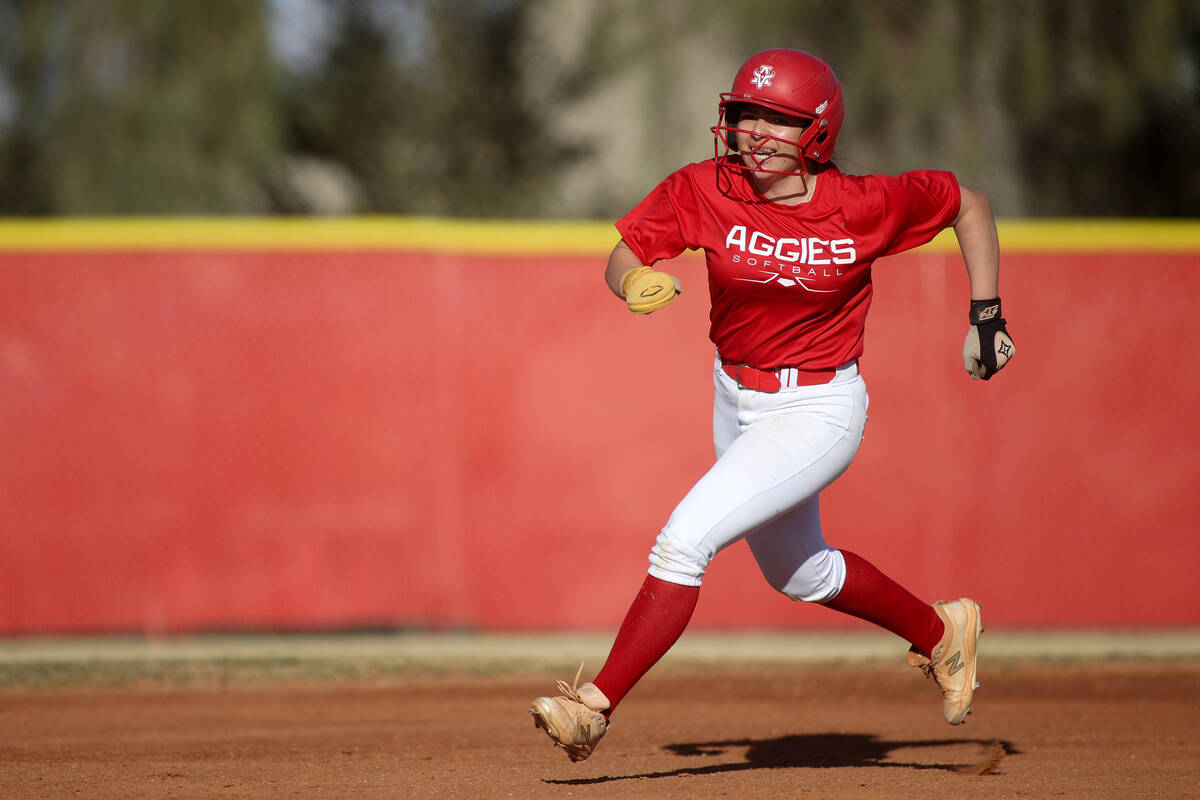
821,108
763,76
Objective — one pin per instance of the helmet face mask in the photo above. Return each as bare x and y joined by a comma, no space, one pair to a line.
730,124
789,82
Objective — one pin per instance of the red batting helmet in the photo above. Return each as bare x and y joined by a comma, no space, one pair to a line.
791,82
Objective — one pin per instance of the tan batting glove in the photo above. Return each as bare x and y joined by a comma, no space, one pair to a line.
646,290
988,347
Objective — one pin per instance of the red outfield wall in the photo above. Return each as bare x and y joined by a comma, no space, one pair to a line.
274,434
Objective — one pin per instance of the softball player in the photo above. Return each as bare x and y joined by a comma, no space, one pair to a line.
789,241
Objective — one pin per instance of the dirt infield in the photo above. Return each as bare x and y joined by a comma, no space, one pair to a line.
1076,729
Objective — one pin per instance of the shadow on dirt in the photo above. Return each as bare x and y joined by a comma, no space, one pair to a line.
818,750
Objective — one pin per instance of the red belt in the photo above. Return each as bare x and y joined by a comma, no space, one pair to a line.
772,380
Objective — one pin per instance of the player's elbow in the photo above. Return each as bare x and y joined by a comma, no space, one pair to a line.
972,204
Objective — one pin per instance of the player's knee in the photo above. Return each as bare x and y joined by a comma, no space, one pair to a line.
675,561
818,580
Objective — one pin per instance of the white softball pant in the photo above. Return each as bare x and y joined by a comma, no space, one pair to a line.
775,453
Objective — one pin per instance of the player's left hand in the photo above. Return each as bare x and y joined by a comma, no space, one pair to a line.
646,290
988,346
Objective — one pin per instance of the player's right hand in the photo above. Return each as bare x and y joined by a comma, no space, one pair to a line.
988,346
646,290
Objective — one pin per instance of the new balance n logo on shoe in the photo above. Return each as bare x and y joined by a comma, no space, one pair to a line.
955,663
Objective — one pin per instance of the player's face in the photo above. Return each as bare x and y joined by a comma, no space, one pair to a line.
766,140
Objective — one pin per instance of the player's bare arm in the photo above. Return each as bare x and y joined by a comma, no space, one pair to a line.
620,261
975,227
988,346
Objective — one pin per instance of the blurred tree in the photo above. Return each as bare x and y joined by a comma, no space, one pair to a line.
1055,107
430,117
136,106
546,108
1107,101
495,149
358,108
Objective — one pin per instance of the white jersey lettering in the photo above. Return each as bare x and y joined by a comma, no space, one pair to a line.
843,251
816,250
736,238
757,245
810,250
789,254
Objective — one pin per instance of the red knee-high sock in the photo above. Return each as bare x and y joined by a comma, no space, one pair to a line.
654,622
869,594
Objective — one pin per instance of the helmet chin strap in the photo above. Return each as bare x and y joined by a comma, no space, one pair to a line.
758,163
733,157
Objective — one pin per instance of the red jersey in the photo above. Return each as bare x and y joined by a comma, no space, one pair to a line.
790,285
